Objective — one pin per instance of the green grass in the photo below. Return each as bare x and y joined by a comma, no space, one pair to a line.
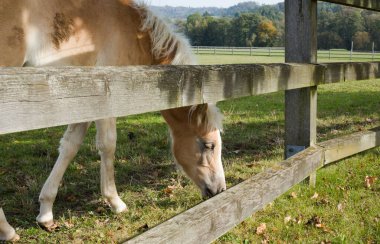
253,141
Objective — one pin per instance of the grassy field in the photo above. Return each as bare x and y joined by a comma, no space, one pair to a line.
341,209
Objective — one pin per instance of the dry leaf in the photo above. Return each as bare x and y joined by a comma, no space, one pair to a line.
261,229
287,219
71,198
369,120
299,219
68,225
169,190
314,221
315,196
340,207
369,181
293,195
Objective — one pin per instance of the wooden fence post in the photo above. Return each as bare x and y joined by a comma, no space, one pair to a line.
373,51
352,50
300,104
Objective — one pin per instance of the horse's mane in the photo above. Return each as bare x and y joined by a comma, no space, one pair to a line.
165,41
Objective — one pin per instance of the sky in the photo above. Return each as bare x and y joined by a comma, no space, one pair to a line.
206,3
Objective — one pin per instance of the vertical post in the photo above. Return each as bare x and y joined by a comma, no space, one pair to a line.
300,104
352,49
373,51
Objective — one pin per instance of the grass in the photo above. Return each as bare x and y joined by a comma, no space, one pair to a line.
345,211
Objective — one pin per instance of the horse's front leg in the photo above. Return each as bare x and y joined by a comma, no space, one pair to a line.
106,144
7,233
70,143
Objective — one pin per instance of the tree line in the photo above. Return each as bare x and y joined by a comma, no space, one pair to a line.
263,26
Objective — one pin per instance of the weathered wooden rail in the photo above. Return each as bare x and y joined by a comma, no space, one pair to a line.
48,97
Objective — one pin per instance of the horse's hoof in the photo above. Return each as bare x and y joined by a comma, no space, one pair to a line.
49,226
118,206
10,237
15,238
120,209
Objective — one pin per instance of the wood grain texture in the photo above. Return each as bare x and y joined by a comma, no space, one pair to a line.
301,47
365,4
33,98
346,146
214,217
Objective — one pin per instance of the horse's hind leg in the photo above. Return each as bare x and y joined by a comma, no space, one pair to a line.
106,144
70,143
7,233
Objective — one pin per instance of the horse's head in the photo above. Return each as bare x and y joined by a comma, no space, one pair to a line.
197,146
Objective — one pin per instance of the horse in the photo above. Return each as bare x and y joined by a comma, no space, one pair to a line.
40,33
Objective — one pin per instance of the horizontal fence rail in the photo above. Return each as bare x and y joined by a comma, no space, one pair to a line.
33,98
211,219
365,4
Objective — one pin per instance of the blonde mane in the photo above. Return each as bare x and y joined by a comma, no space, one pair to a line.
165,41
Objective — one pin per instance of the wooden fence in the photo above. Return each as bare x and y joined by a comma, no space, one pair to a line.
331,54
32,98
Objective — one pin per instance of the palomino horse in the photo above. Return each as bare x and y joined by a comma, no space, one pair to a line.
108,32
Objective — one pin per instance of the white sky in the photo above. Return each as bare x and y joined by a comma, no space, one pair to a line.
206,3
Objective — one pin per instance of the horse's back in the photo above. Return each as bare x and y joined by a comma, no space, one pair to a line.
81,32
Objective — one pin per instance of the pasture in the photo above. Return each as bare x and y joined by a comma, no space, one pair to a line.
344,209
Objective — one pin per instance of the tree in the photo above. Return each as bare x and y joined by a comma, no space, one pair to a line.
362,40
243,29
328,40
266,33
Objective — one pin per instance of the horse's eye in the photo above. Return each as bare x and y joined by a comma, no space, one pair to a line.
209,146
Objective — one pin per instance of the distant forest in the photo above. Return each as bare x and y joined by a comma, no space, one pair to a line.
250,24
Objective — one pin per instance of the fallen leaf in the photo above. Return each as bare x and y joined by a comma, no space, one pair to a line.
261,229
68,224
169,190
315,220
369,181
340,207
315,196
369,120
293,194
287,219
326,242
71,198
